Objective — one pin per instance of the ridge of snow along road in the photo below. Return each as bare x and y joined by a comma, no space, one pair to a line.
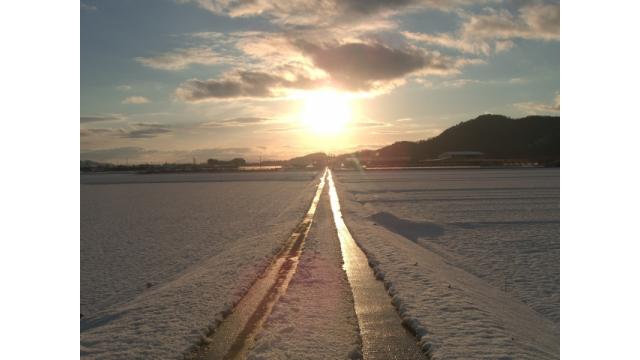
236,335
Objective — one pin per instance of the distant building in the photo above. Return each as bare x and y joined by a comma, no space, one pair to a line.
461,155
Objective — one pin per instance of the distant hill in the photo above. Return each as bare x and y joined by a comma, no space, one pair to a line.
532,137
91,163
318,159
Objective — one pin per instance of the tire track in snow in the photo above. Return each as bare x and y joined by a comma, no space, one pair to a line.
236,334
383,335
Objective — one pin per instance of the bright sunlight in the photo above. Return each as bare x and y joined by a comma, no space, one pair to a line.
326,111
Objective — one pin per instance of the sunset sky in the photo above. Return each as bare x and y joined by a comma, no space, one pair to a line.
169,80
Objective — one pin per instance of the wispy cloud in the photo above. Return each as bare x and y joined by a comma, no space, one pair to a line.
180,59
238,122
136,100
132,131
87,7
533,108
493,30
96,118
463,82
325,13
144,131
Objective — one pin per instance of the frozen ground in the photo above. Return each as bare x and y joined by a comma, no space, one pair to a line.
163,255
315,319
471,256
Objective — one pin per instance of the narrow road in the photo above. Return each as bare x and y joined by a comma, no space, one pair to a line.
383,336
318,299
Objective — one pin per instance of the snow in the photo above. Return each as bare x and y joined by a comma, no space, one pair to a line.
471,257
163,257
315,319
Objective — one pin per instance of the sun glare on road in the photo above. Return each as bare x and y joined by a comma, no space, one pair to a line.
326,111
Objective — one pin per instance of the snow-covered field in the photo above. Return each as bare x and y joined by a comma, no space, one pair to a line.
162,256
472,257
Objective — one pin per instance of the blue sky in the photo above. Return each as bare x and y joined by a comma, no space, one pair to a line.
168,80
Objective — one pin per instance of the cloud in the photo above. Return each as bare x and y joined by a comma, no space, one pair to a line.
357,66
87,7
361,66
96,118
91,132
238,122
321,13
124,87
134,131
180,59
540,108
459,83
242,84
503,46
368,124
450,41
493,30
137,100
537,21
144,131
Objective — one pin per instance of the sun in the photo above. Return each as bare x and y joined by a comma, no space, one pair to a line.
326,111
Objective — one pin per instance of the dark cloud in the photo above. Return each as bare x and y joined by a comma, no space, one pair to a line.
96,118
144,131
372,6
246,85
351,66
358,66
242,84
135,131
